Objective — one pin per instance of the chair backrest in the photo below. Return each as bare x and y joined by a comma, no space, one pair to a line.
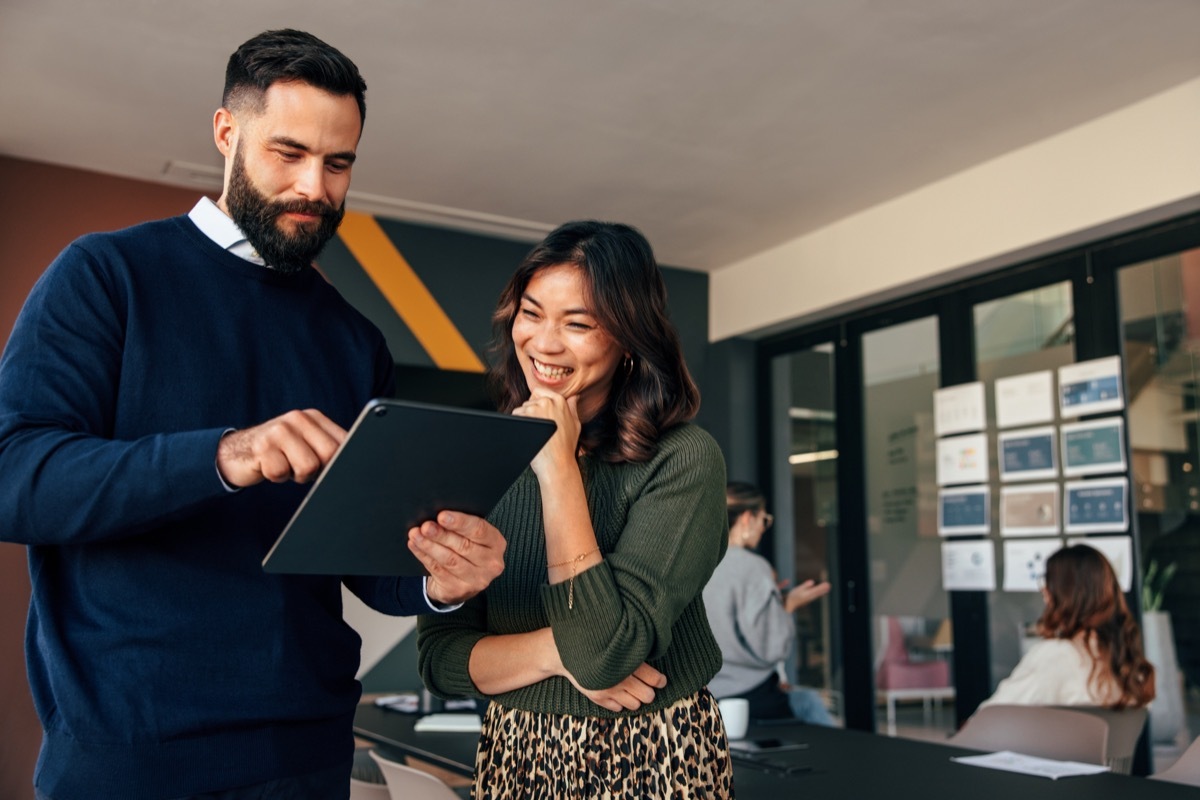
364,790
407,783
1042,731
1186,770
1124,728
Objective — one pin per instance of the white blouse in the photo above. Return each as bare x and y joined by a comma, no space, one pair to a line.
1055,672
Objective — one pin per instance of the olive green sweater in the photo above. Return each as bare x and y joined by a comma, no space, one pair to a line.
662,528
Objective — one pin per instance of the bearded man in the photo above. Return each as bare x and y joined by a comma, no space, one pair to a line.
166,393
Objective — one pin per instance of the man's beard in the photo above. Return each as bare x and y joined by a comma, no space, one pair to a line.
258,217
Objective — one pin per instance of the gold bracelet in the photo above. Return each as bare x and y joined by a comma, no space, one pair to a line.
573,564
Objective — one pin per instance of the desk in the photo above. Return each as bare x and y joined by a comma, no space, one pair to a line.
844,764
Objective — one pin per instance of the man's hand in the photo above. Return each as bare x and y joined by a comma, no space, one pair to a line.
463,554
291,447
630,694
804,594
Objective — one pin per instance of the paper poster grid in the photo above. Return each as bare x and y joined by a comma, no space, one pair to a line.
1030,509
1090,387
1028,454
959,409
964,510
1025,563
969,566
1099,505
1119,552
1094,447
1024,399
962,459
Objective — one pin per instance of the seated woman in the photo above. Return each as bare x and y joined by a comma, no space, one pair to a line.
752,619
1091,653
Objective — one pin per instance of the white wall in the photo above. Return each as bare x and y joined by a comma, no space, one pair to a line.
1127,168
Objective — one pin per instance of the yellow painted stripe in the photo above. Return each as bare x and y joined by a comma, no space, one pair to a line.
409,297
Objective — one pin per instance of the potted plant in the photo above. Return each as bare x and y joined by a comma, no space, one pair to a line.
1166,712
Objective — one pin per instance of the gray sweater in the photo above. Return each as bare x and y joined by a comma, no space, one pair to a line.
746,613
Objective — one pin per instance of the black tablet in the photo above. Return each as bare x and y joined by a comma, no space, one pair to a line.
401,464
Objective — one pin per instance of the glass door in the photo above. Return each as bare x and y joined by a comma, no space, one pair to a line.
1160,329
805,497
908,607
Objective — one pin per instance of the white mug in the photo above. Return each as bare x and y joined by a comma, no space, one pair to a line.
735,711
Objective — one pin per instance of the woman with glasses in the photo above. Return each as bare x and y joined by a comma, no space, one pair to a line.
752,618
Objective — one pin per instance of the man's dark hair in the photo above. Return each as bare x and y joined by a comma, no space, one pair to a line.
289,55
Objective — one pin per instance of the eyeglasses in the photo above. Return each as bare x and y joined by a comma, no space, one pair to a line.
768,520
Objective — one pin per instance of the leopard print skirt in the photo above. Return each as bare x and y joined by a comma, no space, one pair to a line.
679,752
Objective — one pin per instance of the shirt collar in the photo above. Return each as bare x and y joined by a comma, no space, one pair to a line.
223,231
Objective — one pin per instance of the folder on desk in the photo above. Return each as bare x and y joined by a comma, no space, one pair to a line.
400,465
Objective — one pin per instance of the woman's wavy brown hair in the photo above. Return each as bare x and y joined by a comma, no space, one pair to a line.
1085,597
627,296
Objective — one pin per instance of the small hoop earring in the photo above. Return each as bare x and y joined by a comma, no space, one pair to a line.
628,366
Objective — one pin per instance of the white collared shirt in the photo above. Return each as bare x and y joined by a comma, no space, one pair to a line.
216,225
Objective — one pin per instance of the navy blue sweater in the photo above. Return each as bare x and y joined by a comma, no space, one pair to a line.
163,660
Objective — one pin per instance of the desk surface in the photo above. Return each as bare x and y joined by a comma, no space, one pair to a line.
841,763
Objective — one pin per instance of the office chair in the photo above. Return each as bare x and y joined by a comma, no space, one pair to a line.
363,790
1042,731
1186,770
406,783
1124,729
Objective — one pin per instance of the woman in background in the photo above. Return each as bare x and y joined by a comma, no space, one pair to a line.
593,644
1091,651
752,619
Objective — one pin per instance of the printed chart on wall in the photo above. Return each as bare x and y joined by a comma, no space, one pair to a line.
1100,505
959,409
1029,509
1027,454
1025,399
1090,387
969,566
1025,563
964,510
962,459
1095,447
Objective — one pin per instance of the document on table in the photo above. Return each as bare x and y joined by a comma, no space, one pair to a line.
458,723
1029,765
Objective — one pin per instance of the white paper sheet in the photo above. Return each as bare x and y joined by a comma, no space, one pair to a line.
1029,765
1025,563
959,409
1025,399
969,566
962,459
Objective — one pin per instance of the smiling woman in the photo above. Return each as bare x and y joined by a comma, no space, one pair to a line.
593,644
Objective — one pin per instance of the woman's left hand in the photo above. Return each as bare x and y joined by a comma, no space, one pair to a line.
630,694
564,444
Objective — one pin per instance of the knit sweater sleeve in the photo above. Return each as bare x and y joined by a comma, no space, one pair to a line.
67,480
674,537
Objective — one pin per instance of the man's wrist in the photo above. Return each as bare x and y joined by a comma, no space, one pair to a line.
437,605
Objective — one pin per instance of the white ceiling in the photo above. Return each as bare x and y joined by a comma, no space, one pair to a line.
719,127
